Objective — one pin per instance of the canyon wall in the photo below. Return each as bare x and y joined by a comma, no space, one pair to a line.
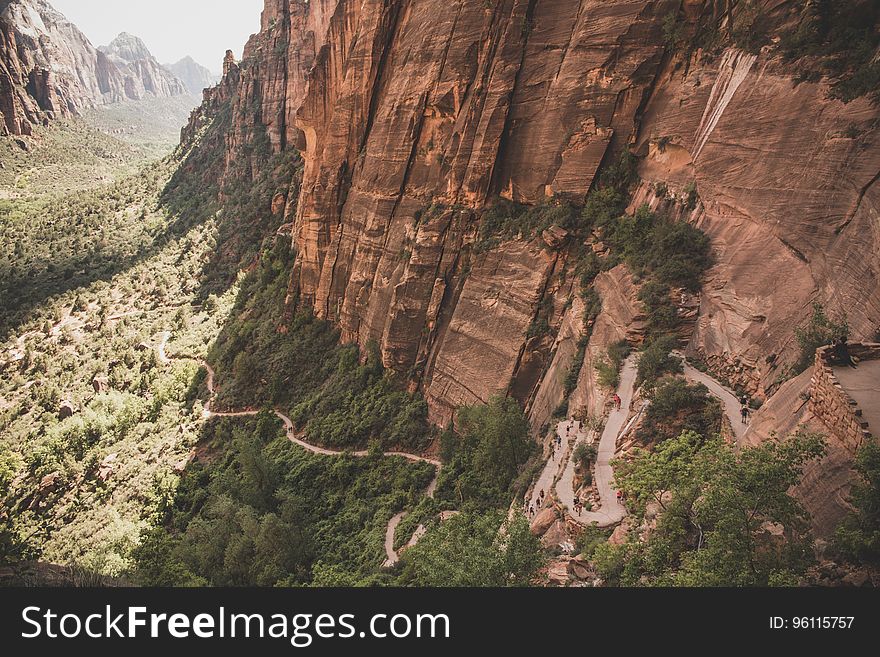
415,115
48,68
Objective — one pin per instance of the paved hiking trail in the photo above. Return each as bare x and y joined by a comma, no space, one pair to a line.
610,511
391,555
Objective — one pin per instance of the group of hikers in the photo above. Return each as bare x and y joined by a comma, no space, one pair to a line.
540,502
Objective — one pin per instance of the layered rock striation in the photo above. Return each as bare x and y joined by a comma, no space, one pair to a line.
414,116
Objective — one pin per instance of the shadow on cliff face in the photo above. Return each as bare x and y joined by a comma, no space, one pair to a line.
230,172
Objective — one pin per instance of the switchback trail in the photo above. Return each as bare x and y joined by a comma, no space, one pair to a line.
392,556
610,511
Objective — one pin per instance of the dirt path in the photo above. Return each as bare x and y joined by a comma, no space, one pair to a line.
392,557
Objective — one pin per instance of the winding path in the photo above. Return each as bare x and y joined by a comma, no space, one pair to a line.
610,511
392,555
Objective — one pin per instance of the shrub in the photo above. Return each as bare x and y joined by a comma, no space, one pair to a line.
656,361
844,37
677,406
584,455
820,330
609,375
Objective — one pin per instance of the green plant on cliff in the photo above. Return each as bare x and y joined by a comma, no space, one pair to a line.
506,220
713,506
858,537
677,406
819,330
843,37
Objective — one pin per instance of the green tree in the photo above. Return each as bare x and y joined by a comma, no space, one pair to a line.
820,330
718,514
475,550
488,452
858,537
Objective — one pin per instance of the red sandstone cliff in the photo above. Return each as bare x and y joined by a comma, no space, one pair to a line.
414,114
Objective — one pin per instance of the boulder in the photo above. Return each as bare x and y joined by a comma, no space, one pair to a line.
618,536
66,410
105,470
554,237
581,569
555,536
543,521
856,578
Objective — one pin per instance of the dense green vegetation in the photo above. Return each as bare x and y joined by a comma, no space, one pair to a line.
858,537
63,243
716,509
469,550
86,485
267,513
677,406
484,459
843,37
65,157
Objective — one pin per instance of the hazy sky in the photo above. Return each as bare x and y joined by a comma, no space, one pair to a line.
171,29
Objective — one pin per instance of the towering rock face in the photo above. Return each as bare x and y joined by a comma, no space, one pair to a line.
195,76
411,126
414,115
143,74
49,68
788,182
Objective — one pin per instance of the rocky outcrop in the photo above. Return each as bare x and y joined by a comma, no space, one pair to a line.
833,405
48,68
194,76
402,114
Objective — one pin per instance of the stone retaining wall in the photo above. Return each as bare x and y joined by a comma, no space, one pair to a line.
831,404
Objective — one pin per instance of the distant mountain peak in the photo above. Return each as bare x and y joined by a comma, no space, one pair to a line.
195,76
128,47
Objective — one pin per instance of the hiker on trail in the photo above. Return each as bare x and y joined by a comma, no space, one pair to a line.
617,401
744,411
619,495
841,353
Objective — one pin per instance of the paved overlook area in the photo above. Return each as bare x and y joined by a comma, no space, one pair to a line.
863,385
